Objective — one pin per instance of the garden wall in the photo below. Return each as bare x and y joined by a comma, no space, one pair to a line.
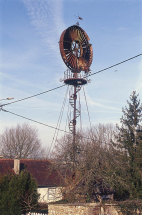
82,209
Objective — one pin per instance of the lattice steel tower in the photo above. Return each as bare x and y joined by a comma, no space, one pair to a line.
77,54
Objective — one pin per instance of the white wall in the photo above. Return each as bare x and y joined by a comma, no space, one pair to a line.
50,194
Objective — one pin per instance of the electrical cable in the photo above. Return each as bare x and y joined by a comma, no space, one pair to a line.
112,66
65,84
41,123
34,120
34,95
58,88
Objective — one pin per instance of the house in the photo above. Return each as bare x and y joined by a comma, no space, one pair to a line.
49,180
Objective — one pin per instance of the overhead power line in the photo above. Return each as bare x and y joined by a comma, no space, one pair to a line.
42,123
34,121
65,84
55,88
113,65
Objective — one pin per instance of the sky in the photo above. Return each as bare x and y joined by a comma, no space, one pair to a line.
30,60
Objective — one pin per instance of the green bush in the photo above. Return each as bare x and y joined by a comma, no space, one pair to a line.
18,193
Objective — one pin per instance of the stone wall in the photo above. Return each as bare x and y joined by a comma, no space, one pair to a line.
82,209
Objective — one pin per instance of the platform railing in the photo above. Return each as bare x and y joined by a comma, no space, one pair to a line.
68,74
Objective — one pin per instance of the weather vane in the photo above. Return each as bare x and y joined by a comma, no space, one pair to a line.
79,18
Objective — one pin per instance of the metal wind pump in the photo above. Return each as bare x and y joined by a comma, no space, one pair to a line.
77,54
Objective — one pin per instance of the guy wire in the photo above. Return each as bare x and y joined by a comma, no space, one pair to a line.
88,112
59,121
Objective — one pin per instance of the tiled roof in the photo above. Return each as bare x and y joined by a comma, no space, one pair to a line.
42,171
6,166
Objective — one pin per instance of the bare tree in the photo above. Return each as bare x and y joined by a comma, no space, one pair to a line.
97,162
90,141
21,141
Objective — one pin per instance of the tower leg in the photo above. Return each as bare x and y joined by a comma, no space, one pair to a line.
74,129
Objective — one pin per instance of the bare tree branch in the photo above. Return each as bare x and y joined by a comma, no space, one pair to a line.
21,141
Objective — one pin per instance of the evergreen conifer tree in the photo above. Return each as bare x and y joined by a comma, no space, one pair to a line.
130,142
18,193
